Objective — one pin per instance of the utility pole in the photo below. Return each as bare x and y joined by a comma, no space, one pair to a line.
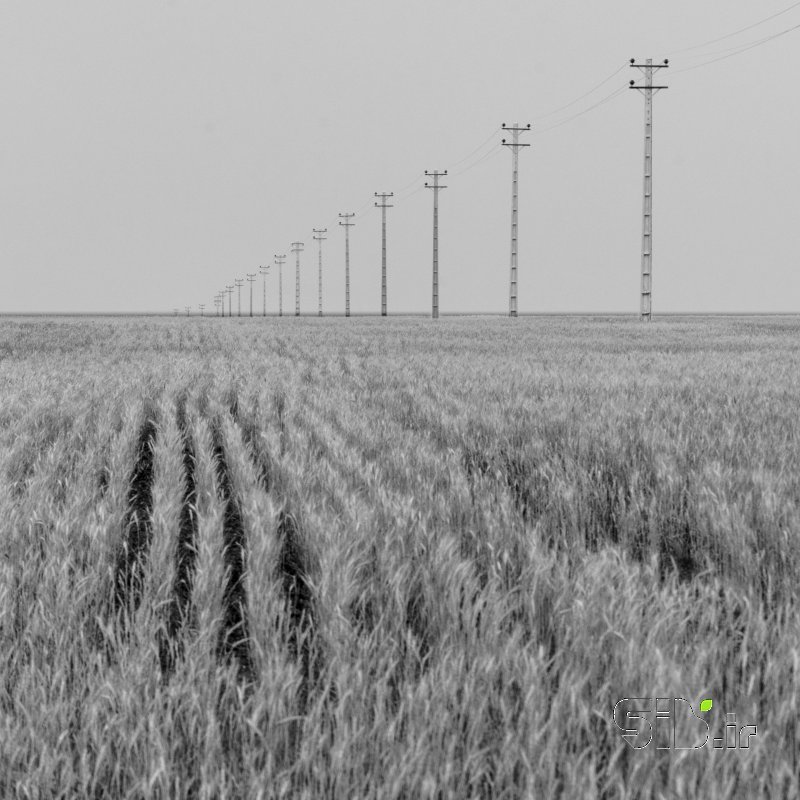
297,248
347,225
251,276
229,290
318,237
239,282
216,305
188,310
383,205
174,312
279,261
201,307
514,144
264,272
436,186
646,303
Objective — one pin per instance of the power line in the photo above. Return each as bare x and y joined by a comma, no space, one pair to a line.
586,94
735,51
608,98
735,33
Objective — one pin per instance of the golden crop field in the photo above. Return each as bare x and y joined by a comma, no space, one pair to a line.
395,558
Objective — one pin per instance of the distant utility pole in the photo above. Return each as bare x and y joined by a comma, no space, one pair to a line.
347,225
239,282
514,144
188,310
251,276
201,307
264,272
646,305
279,261
229,290
435,186
318,237
174,312
383,205
297,248
216,305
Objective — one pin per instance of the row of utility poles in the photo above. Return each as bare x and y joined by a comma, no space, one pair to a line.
648,89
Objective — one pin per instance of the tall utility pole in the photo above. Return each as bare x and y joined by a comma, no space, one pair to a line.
264,272
279,261
201,307
383,205
347,225
435,186
318,237
297,248
514,144
646,305
229,290
239,282
251,276
188,310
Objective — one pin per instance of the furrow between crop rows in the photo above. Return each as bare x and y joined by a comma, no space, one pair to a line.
137,523
234,638
180,605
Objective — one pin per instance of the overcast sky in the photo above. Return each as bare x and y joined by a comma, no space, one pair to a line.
154,151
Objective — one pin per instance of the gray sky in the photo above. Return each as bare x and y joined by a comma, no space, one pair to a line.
153,151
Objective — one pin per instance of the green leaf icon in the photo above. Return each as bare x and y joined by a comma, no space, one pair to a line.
705,705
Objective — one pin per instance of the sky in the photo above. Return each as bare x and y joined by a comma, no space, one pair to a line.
152,152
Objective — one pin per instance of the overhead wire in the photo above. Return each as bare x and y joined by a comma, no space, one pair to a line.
735,51
736,33
607,99
584,95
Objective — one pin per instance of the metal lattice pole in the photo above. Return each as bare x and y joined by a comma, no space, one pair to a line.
297,248
436,187
279,260
239,282
251,276
347,225
318,236
264,272
514,144
383,205
648,89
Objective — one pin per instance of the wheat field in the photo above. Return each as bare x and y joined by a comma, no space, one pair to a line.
395,558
